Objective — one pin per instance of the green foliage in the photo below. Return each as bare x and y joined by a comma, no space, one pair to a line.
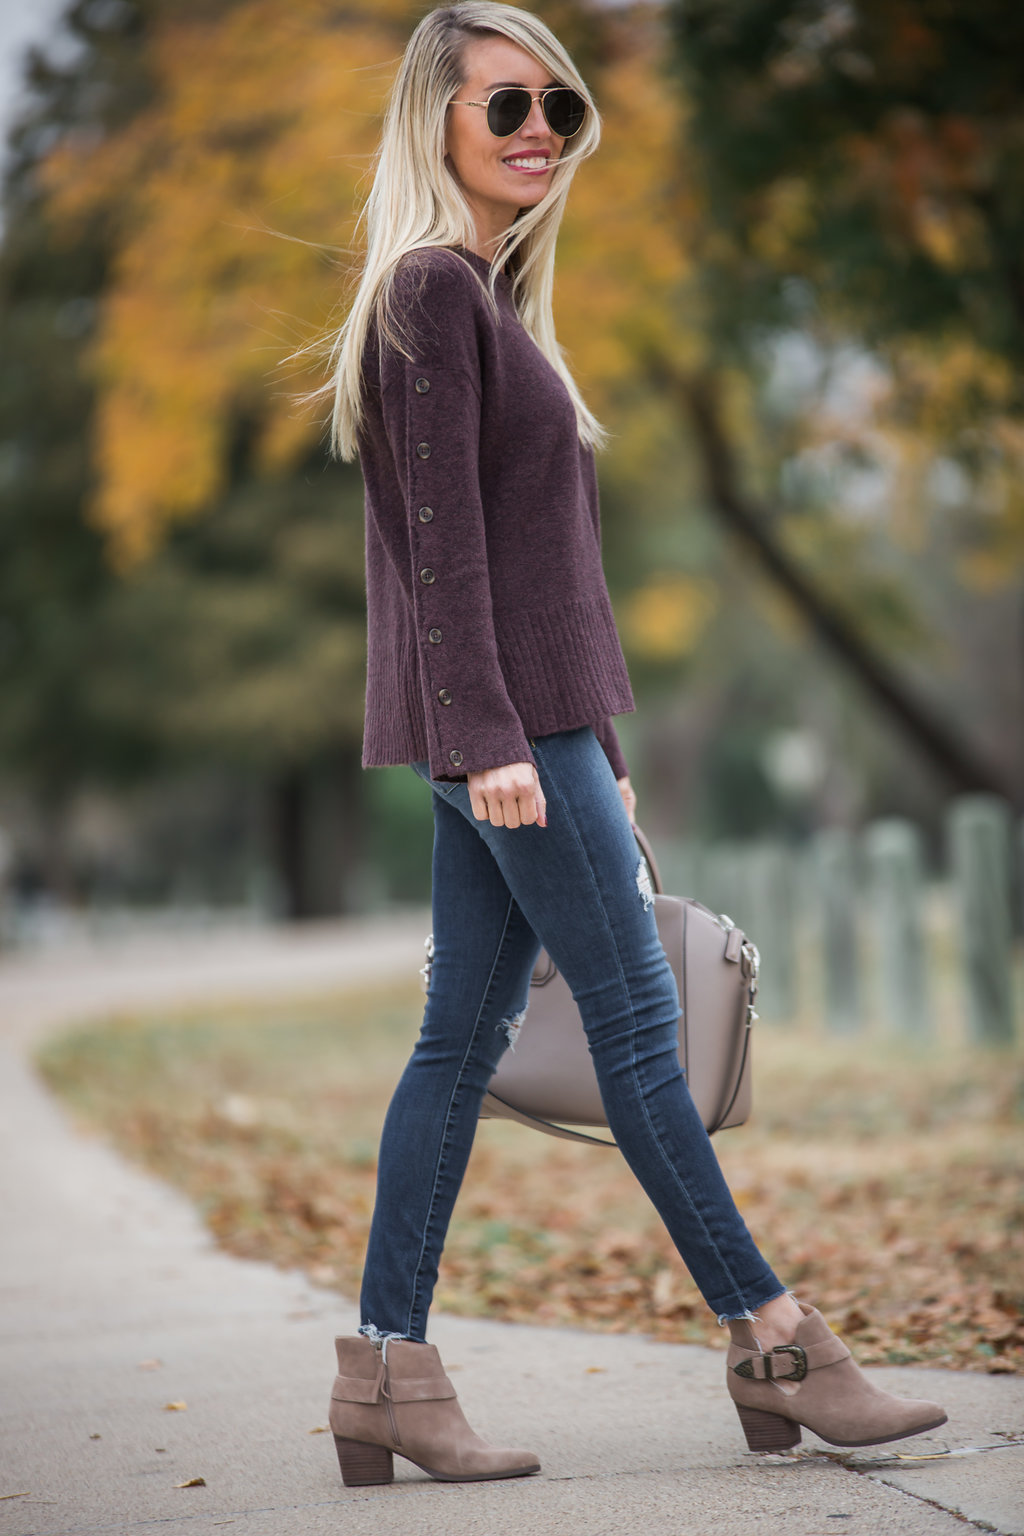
243,638
873,154
401,832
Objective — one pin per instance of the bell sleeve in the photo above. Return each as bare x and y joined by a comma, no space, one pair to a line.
431,409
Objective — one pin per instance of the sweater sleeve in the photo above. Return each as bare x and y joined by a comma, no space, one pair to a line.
607,735
431,409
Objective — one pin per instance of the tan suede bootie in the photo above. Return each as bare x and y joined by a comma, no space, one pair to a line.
829,1395
394,1398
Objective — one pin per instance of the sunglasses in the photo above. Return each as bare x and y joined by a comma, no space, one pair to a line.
508,108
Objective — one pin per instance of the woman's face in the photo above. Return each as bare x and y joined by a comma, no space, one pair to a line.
500,176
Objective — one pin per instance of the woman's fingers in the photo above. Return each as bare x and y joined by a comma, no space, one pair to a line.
509,796
477,798
539,800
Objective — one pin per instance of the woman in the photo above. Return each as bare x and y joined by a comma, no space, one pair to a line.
494,669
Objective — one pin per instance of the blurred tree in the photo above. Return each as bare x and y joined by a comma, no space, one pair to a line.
188,136
54,580
239,641
862,172
242,640
261,113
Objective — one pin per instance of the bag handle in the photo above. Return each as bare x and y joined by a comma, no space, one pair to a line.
652,864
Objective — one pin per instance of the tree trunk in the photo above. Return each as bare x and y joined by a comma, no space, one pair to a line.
931,735
316,835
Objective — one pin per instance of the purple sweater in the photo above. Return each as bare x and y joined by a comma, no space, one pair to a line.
489,617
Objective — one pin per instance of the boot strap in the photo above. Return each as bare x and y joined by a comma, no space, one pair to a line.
791,1362
359,1389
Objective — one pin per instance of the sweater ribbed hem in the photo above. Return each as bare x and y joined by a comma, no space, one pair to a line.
563,668
566,663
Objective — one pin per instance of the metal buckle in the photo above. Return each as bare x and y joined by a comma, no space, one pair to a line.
799,1371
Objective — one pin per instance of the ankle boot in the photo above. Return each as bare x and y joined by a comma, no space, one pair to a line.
394,1397
830,1394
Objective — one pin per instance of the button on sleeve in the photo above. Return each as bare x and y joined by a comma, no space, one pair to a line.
431,408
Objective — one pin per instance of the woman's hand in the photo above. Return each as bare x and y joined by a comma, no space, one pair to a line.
508,797
628,794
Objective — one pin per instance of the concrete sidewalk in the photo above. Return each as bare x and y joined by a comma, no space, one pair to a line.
116,1304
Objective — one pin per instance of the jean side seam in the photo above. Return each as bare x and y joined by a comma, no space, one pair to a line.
678,1181
445,1139
634,1033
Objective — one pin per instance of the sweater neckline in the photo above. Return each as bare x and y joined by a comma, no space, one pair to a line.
482,265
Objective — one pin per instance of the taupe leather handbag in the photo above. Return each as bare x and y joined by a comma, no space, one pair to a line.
548,1080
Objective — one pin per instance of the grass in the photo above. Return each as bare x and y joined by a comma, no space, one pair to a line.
882,1181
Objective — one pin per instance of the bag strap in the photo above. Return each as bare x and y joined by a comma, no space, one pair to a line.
727,1111
536,1124
652,863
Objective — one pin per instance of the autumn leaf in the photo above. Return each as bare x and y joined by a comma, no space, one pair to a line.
884,1184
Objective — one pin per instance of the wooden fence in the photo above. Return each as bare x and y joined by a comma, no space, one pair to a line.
854,927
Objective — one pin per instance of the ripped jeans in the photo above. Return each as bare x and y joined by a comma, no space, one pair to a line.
578,887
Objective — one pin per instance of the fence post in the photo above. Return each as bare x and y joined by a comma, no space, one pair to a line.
771,881
723,873
980,838
893,850
837,890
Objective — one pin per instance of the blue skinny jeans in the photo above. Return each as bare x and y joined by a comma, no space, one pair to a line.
498,895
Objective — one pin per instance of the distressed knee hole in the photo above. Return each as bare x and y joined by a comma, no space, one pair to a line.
511,1028
643,884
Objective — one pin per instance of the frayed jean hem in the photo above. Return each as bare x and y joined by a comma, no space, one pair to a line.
749,1314
378,1335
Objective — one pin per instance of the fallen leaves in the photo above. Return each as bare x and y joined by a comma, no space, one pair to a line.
883,1184
175,1407
192,1482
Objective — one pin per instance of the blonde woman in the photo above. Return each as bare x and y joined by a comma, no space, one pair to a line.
494,670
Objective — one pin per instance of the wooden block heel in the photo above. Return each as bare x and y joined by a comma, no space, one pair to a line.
363,1464
768,1431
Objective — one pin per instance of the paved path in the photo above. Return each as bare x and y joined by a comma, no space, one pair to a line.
115,1304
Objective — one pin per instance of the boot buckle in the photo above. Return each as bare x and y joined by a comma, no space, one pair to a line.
798,1372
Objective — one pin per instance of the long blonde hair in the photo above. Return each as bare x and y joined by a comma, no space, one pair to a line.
416,203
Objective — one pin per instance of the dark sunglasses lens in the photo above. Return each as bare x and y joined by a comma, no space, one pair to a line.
507,111
565,111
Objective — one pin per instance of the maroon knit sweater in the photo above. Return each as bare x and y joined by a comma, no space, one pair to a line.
489,618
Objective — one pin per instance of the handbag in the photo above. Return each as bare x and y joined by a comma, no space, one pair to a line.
548,1081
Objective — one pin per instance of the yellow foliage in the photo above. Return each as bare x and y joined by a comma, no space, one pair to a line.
623,261
664,619
265,119
232,203
787,215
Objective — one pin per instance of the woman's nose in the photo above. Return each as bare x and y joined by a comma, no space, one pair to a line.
536,124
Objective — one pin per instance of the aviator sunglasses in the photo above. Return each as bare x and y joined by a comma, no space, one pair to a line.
509,107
